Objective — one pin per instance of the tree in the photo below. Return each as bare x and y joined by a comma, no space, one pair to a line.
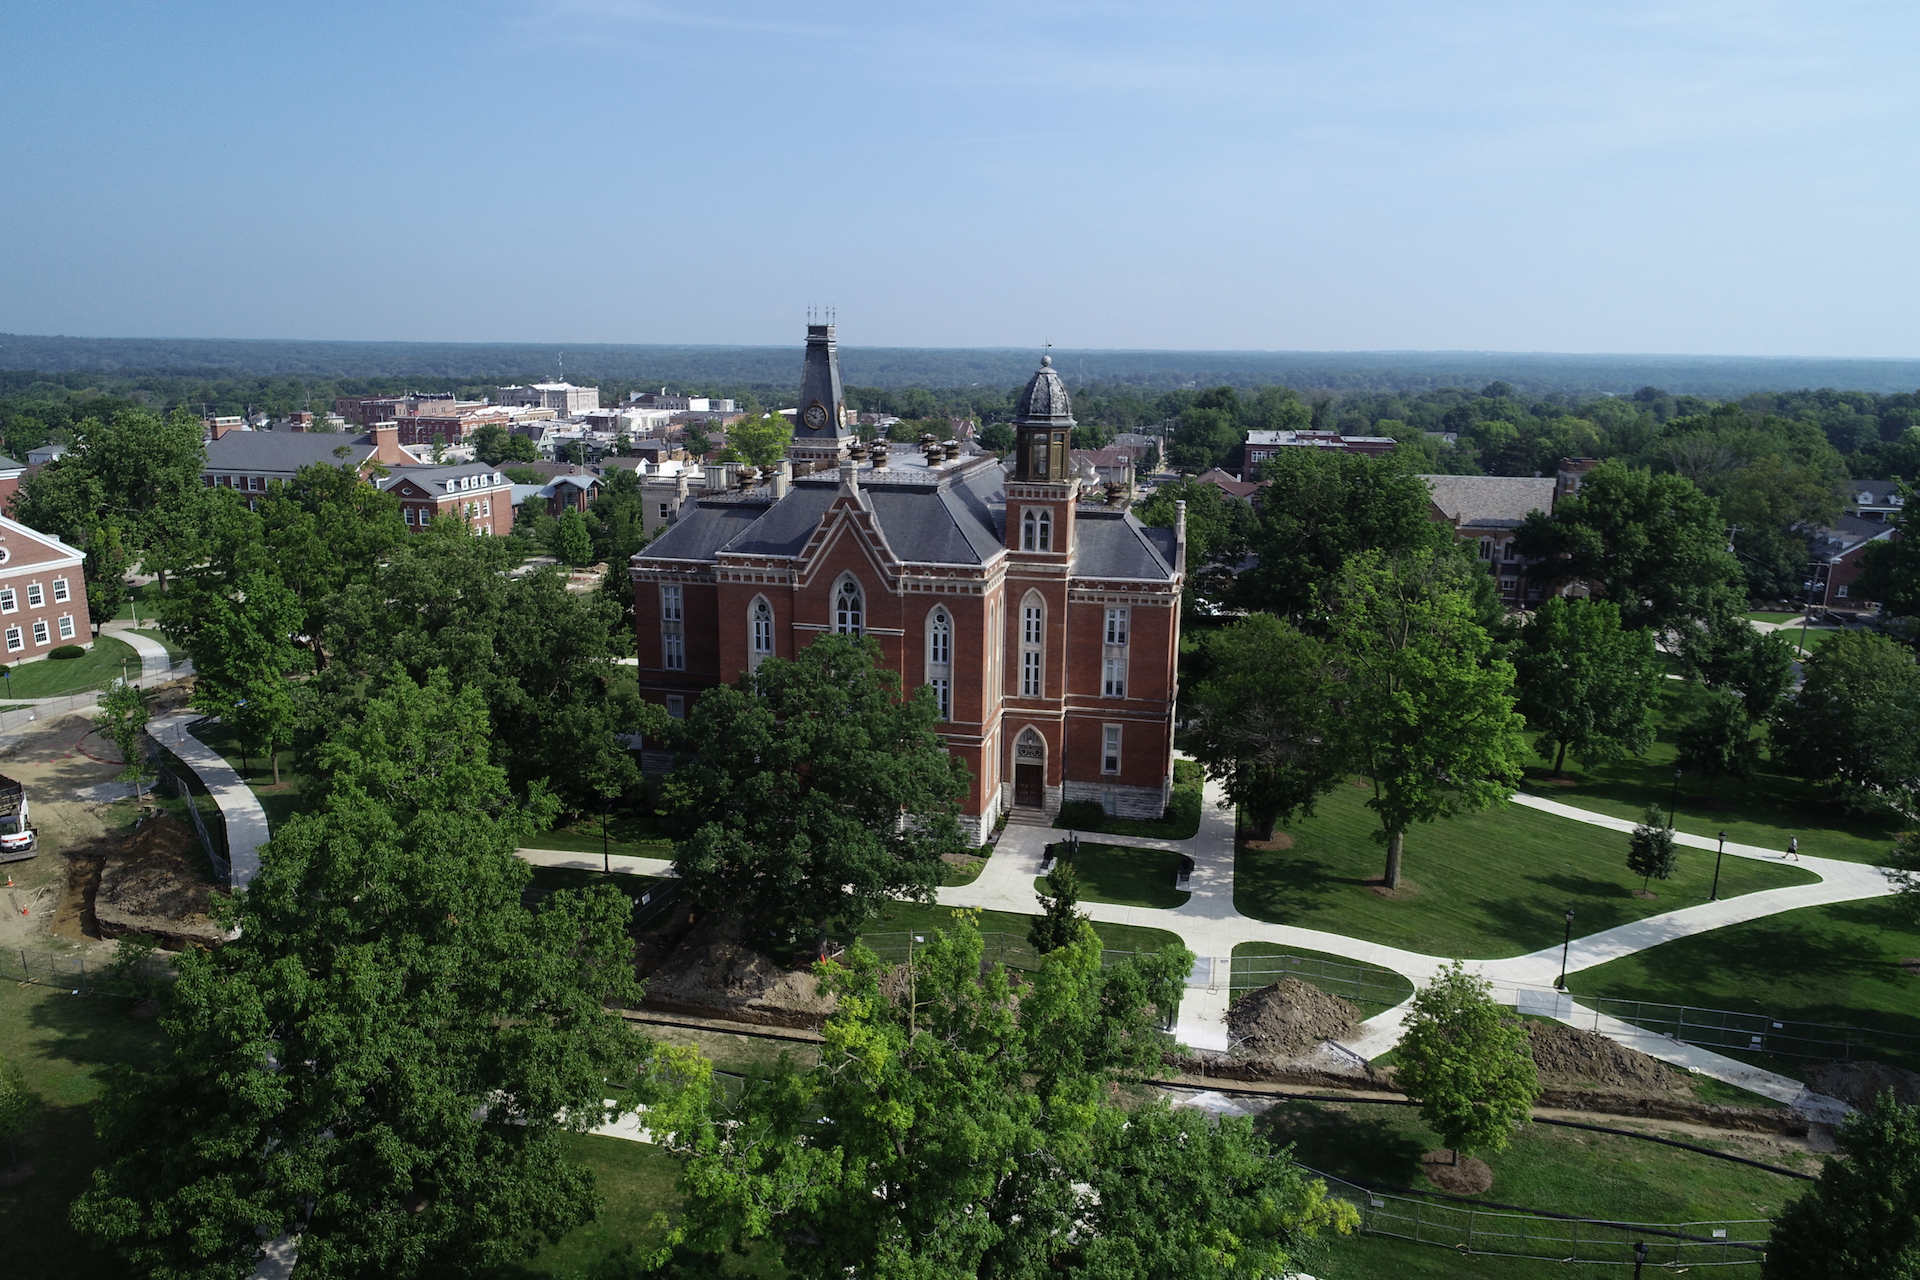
1206,436
1717,740
1903,869
1650,849
762,441
19,1104
1861,1220
1892,566
1586,685
324,529
1323,507
1060,918
1855,723
1654,544
572,540
244,658
123,719
105,572
1427,709
1469,1067
1264,719
698,446
132,469
999,437
813,792
1726,652
490,443
952,1130
383,1057
1219,529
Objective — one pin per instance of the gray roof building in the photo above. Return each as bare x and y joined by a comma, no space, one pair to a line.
1490,502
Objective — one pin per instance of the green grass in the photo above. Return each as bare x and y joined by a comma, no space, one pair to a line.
912,917
1371,987
1765,616
1835,964
1127,877
1560,1170
634,834
280,801
63,1044
1484,885
55,677
1181,821
1767,811
952,877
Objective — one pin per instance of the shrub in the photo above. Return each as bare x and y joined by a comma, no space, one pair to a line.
1087,814
67,651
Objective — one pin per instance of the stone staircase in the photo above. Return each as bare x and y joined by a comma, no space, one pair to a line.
1017,817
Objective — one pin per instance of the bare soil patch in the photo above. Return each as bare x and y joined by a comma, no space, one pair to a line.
1644,894
1566,1055
155,885
1469,1177
713,974
1281,840
1858,1083
1287,1018
1378,888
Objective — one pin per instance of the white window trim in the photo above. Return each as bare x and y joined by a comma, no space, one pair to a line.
759,631
16,639
1033,646
673,636
841,626
1110,753
36,595
42,633
66,626
61,591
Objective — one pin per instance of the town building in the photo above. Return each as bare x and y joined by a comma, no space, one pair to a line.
1261,445
563,398
664,402
43,594
473,493
1872,499
822,428
1837,555
251,460
10,473
1485,512
1047,631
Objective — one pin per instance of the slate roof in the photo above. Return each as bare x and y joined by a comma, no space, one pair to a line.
1845,534
1114,544
1491,502
1044,402
286,451
8,464
441,481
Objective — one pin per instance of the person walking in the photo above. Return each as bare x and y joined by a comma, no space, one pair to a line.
1793,848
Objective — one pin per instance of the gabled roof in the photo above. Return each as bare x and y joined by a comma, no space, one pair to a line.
1490,502
286,450
444,482
1114,544
1242,489
1846,534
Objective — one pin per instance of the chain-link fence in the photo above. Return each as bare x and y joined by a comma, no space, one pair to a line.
81,974
216,849
1757,1033
1513,1232
1367,985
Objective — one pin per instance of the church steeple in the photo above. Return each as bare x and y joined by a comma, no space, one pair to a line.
822,414
1043,424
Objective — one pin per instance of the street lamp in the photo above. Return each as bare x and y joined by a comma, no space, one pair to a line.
1673,800
606,858
1560,983
1714,896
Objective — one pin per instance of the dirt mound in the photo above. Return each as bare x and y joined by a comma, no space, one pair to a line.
1288,1018
713,975
1465,1176
156,885
1568,1055
1858,1083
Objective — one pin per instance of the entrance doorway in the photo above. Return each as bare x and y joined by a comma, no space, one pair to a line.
1029,786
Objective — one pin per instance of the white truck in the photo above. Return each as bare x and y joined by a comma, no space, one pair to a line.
17,838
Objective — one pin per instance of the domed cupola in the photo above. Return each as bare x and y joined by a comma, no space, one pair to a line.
1043,424
1044,403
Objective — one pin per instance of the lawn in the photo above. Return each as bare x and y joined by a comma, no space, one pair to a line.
887,930
1127,877
281,801
1837,964
635,834
1181,821
1767,811
1483,885
64,1044
1257,964
1774,617
54,677
1559,1170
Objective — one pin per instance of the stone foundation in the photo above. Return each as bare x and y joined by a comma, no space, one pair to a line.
1146,803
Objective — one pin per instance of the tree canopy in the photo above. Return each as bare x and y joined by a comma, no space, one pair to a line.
1855,723
1219,530
1466,1063
1586,684
1861,1221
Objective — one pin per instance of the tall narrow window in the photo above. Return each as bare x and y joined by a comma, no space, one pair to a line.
940,660
1032,648
1110,749
673,635
847,611
760,628
1030,531
60,593
66,626
1113,666
1116,626
35,598
40,634
1114,678
1046,531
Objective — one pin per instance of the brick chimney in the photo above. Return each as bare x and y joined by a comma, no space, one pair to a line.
386,444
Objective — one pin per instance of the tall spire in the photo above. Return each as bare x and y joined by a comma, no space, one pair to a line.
822,414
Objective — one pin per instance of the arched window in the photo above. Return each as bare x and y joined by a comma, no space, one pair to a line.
940,660
759,630
1036,529
1033,654
847,610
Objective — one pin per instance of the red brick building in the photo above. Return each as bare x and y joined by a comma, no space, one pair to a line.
474,493
251,460
1049,631
43,596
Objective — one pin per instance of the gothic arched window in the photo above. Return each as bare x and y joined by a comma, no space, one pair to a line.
940,660
847,608
759,630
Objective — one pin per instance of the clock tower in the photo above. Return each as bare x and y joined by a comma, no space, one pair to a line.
820,429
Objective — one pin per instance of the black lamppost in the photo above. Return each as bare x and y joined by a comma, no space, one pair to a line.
606,858
1673,800
1560,984
1714,896
1639,1257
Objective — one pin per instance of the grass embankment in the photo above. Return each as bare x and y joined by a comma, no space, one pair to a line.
1768,810
1837,964
1181,821
1127,877
57,677
911,917
1485,885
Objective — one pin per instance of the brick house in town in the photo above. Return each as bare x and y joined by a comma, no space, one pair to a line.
1837,553
1048,631
43,596
1261,445
251,460
472,492
574,492
1872,499
10,474
1486,511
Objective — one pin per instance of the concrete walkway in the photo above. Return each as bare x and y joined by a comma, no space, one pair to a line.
246,821
156,664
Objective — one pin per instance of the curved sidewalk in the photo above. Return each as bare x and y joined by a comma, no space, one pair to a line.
240,809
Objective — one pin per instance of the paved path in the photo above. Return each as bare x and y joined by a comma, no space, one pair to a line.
246,821
156,664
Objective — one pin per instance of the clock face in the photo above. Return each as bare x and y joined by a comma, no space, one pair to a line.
816,416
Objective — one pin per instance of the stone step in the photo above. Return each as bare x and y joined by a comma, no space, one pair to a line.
1028,818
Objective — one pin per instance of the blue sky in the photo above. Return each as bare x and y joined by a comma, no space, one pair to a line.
1542,176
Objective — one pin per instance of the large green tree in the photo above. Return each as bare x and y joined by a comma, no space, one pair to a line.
1586,684
1323,507
1717,740
244,659
762,441
1653,544
105,572
383,1058
1219,530
1892,573
133,469
1855,723
1726,652
1466,1062
1427,709
1861,1221
957,1127
812,792
1264,720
